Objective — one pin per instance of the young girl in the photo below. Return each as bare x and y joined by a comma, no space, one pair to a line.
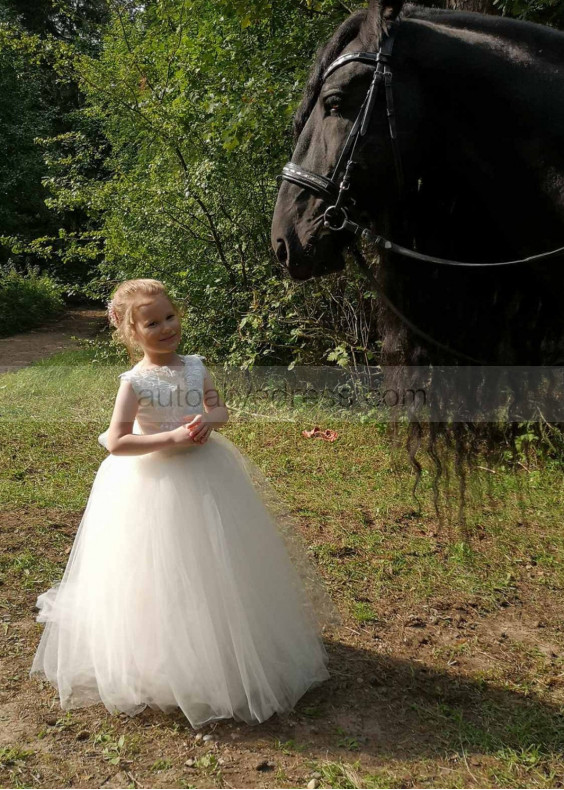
179,590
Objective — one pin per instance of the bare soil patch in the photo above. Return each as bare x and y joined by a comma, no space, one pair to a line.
405,692
19,350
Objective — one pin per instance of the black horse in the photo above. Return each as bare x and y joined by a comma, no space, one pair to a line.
479,106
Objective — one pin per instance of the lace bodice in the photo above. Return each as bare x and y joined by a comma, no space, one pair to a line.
165,394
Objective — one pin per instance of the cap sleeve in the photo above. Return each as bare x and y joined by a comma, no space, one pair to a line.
131,376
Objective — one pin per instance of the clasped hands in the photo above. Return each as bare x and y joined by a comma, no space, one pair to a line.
198,427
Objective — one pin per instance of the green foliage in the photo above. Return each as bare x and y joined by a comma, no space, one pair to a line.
26,299
207,100
145,141
173,161
546,12
25,111
100,352
39,96
78,20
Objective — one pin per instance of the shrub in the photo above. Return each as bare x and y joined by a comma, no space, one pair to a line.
26,299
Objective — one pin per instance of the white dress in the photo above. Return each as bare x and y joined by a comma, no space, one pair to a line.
187,584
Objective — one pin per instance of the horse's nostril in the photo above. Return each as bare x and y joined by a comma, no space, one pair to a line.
281,251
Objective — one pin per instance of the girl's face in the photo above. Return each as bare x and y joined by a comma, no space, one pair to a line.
157,327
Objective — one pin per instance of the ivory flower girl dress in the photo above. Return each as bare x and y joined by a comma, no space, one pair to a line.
187,584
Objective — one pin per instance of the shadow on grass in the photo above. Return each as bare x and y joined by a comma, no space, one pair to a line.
403,710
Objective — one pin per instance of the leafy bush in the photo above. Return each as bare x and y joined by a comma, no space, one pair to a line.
173,158
26,299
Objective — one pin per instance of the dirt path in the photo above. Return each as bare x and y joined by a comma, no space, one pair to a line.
17,351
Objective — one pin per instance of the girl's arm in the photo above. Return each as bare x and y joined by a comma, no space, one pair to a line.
121,440
213,404
216,414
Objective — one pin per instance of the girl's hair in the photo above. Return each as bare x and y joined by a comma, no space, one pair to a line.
121,309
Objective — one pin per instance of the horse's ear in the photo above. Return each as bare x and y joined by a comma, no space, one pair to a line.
383,11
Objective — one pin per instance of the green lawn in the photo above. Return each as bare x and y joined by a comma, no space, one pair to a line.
456,632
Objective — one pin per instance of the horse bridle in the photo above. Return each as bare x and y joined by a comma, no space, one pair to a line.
335,189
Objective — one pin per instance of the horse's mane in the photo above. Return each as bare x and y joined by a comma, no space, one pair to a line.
519,31
439,214
344,34
516,30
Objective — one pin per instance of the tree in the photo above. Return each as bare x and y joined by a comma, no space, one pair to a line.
38,101
172,120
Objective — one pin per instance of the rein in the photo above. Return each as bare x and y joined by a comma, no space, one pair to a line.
369,274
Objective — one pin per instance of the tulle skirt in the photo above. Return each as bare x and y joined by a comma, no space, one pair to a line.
187,587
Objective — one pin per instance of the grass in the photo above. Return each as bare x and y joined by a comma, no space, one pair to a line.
434,651
374,543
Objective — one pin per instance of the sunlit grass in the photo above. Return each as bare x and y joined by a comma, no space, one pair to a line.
352,496
378,548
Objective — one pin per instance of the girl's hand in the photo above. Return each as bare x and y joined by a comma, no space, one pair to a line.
199,428
181,435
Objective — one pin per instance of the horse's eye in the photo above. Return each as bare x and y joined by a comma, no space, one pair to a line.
333,105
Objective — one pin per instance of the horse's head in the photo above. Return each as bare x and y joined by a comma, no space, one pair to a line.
322,127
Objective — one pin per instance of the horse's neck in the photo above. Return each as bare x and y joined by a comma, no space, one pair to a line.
496,117
482,69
